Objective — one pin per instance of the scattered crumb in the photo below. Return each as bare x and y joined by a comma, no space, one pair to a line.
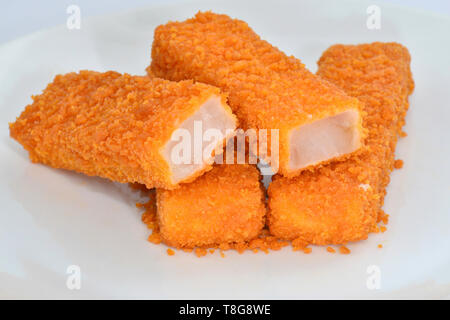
299,244
398,164
200,252
331,250
380,246
307,250
170,252
240,247
383,228
155,238
383,217
222,254
149,215
344,250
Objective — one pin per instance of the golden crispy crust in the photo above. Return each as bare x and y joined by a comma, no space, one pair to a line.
225,205
267,89
108,124
342,202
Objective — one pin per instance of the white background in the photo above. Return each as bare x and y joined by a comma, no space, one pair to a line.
21,17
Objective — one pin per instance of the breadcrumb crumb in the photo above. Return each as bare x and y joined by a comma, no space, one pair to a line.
344,250
200,252
383,217
170,252
398,164
155,238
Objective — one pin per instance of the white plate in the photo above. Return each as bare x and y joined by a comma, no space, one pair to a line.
51,219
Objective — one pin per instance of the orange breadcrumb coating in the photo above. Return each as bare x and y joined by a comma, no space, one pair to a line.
342,202
109,125
267,89
225,205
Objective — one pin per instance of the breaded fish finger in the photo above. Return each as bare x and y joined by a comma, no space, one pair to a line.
225,205
120,127
341,202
